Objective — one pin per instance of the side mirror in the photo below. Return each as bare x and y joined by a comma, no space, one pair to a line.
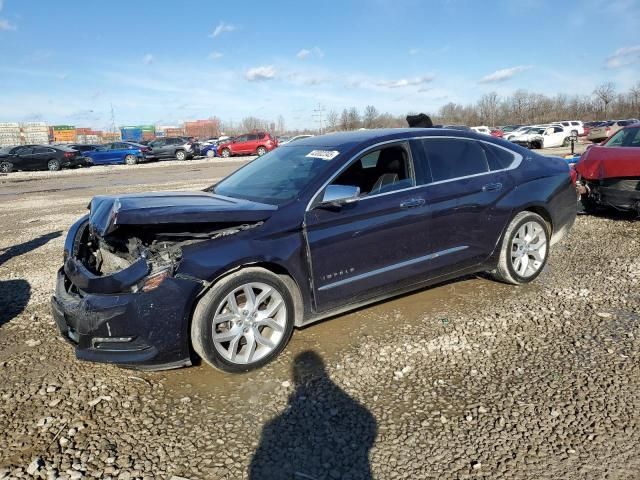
337,195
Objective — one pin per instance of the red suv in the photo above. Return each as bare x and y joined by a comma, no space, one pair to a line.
248,144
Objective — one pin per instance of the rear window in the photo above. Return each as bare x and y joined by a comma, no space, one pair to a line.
451,158
498,158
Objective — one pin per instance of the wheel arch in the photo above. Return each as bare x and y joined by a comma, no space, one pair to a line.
272,267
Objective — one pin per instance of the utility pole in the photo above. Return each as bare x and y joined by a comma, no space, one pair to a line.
318,114
113,120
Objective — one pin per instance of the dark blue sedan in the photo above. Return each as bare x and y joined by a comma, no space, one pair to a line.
128,153
305,232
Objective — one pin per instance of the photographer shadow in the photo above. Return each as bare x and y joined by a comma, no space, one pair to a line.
322,434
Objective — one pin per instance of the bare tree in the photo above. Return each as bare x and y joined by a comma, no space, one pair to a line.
634,95
344,119
333,120
354,118
606,93
488,108
370,116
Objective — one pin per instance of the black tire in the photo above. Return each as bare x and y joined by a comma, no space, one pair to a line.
565,142
202,324
505,271
226,153
130,160
6,167
181,155
261,151
53,165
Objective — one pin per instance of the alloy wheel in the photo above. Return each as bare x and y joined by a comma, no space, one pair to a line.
5,167
249,323
53,165
528,249
211,153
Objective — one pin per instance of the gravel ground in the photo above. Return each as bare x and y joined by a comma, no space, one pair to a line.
471,379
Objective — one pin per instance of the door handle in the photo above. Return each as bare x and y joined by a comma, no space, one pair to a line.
412,203
490,187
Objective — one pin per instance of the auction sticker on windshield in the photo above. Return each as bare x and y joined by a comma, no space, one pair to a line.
323,154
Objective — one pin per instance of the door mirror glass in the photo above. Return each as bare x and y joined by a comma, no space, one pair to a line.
336,195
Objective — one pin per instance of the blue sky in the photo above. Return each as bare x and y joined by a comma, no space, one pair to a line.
66,61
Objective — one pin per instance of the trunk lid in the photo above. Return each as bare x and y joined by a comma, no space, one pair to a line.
600,162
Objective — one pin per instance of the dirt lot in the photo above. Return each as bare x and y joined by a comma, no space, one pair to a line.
471,379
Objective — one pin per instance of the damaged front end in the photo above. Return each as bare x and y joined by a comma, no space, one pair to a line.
120,297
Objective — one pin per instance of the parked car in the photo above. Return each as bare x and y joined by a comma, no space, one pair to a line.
496,132
128,153
39,157
515,132
609,174
509,128
209,150
597,134
174,147
84,161
257,143
293,139
482,129
312,229
542,137
572,126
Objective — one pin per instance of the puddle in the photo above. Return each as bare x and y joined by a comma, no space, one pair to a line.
330,338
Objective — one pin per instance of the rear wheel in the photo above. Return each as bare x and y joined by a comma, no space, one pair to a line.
53,165
6,167
226,153
211,154
261,151
244,321
181,155
524,250
130,160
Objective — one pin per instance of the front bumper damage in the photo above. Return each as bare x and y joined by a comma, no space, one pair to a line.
142,329
621,194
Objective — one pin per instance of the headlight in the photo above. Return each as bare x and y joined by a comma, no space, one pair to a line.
154,280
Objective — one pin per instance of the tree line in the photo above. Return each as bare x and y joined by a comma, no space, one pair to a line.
522,107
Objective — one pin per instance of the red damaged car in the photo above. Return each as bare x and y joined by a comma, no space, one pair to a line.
609,173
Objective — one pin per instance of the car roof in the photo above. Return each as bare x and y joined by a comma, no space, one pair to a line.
343,141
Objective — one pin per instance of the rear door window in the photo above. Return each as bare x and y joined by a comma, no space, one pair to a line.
452,158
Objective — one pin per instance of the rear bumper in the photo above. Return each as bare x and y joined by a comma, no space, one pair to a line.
147,330
620,198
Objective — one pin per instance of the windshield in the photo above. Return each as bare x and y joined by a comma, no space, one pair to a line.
275,178
538,131
627,137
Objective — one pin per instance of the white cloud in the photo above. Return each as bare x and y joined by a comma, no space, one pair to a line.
215,56
404,82
306,53
6,26
147,59
222,28
266,72
624,56
504,74
414,51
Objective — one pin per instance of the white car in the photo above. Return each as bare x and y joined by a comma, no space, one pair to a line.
517,132
572,126
542,136
482,129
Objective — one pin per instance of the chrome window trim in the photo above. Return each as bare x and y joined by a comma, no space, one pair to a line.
515,164
392,267
356,157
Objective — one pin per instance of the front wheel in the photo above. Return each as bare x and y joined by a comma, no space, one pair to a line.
244,321
53,165
130,160
211,154
6,167
226,153
261,151
181,155
524,250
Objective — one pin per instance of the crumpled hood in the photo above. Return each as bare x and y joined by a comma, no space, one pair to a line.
107,212
600,162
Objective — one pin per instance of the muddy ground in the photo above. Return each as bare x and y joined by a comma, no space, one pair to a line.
472,379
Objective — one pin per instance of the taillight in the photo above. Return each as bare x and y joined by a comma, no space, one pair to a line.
573,174
69,154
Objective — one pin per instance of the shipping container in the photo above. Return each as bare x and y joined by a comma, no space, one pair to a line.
131,134
63,127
